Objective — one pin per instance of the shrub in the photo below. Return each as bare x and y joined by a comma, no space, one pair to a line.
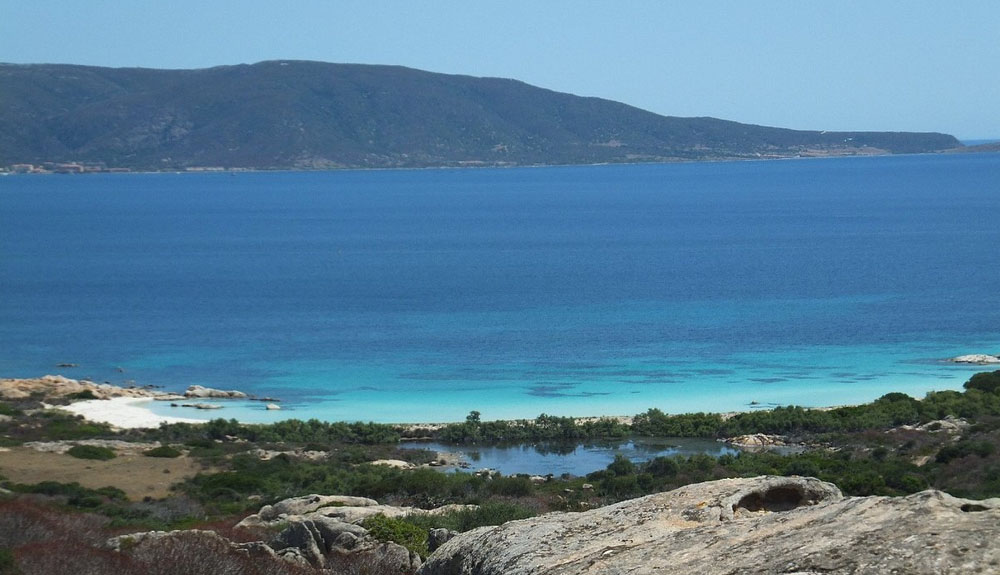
964,448
162,451
91,452
621,466
518,486
8,566
6,409
986,381
663,467
490,514
85,394
398,531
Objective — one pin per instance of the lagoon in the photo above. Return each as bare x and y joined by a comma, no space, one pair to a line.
405,296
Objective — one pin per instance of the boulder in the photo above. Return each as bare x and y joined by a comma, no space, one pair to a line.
304,505
202,405
51,387
323,542
341,508
134,542
977,359
207,392
438,537
746,526
757,441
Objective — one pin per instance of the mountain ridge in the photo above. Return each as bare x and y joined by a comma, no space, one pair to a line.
288,114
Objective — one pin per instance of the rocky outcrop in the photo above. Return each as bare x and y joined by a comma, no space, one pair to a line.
949,425
198,405
324,542
324,531
740,526
307,537
116,445
304,505
977,359
757,441
341,508
136,541
207,392
57,387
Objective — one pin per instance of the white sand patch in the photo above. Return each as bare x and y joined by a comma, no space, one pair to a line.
123,412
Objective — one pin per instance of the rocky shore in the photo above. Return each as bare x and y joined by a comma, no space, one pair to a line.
120,407
52,387
977,359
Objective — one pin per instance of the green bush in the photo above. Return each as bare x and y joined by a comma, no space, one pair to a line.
964,448
91,452
6,409
487,514
162,451
986,381
398,531
663,467
621,466
518,486
8,564
85,394
56,425
75,494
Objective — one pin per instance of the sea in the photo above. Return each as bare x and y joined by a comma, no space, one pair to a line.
422,295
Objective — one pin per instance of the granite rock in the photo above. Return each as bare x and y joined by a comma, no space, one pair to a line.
207,392
977,359
740,526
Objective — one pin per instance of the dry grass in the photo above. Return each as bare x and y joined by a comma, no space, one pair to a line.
136,475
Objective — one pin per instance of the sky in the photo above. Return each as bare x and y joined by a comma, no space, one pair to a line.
847,65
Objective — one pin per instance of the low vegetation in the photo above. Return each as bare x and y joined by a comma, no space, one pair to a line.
163,451
91,452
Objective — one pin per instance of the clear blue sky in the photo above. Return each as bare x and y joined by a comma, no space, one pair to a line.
844,65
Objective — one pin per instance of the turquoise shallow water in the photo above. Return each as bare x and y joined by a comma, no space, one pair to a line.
422,295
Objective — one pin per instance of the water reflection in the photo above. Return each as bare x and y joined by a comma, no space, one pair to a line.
572,458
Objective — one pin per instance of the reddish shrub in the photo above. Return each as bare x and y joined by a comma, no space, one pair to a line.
62,557
23,522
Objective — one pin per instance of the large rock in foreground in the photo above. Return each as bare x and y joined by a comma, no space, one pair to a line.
795,526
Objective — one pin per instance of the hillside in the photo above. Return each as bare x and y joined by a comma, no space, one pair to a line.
304,115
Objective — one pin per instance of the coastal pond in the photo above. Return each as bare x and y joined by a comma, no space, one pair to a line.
573,458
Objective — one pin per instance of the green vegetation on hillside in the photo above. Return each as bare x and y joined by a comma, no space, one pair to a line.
309,115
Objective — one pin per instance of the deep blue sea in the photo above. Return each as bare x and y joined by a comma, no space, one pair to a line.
421,295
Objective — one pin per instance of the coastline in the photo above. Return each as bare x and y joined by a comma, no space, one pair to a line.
123,412
133,407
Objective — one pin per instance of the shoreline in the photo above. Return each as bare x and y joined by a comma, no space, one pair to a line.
123,412
963,149
132,408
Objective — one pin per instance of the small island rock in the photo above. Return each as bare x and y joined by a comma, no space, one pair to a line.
207,392
977,359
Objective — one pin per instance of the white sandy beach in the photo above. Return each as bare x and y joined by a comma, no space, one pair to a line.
123,412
